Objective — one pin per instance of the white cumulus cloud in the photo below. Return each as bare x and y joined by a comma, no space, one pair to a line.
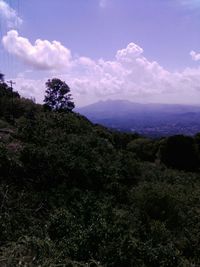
10,15
130,53
41,55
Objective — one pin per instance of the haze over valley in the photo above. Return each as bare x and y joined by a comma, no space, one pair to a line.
153,120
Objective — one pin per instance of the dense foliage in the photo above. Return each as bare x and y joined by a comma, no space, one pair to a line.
77,194
58,97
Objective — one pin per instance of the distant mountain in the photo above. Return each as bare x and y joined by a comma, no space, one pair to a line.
152,120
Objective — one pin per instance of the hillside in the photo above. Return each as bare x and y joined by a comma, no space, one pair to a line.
73,193
153,120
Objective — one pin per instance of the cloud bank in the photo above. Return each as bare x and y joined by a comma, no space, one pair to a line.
129,75
9,15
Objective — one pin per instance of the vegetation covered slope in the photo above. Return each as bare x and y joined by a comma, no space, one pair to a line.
76,194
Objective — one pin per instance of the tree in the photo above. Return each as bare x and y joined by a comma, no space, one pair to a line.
58,97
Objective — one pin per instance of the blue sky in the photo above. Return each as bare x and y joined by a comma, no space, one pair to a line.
141,50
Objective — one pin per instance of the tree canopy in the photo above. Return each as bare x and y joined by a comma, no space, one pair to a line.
58,97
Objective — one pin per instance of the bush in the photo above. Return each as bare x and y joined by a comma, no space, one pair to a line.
180,152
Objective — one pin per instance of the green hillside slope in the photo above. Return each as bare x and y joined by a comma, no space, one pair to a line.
77,194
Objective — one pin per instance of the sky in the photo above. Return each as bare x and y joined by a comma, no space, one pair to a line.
145,51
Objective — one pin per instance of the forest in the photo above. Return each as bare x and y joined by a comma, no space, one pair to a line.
74,193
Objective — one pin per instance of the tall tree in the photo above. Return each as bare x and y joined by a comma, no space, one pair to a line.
58,97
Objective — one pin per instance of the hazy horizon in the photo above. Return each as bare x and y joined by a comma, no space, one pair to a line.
108,100
104,49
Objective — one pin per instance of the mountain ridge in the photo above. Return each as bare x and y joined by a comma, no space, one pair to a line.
148,119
